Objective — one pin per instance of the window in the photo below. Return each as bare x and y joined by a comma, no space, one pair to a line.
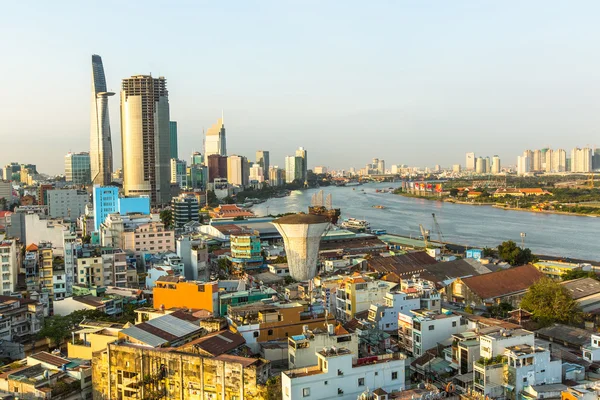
325,382
394,375
361,381
454,324
305,392
525,380
270,332
431,327
376,373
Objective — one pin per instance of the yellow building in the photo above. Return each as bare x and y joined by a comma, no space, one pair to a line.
46,258
556,269
92,337
128,371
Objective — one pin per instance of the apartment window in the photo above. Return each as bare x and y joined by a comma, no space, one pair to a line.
325,382
361,381
305,392
255,334
270,332
431,327
454,324
525,380
394,375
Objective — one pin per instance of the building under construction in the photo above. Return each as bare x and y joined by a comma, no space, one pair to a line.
324,208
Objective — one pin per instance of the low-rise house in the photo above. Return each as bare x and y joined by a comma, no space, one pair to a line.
504,286
173,291
556,269
92,336
109,306
302,348
20,319
338,375
170,330
244,297
591,352
357,293
216,343
586,292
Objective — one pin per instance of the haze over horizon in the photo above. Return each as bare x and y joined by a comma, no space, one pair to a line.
416,83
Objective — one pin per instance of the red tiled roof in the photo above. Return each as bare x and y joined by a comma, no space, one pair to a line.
503,282
32,247
219,342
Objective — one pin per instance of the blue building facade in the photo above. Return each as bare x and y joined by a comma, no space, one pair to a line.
107,201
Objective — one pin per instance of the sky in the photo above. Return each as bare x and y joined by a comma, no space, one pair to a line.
412,82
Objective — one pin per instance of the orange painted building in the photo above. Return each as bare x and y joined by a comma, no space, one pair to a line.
173,291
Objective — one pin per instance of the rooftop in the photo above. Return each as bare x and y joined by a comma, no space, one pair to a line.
582,287
503,282
301,219
161,330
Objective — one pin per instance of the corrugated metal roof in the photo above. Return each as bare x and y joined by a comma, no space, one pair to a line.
173,325
143,336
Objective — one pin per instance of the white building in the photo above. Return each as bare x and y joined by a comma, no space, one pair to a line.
67,203
70,258
522,165
592,352
302,349
337,376
426,328
257,173
496,167
41,229
581,159
358,293
385,314
530,366
9,256
156,272
6,191
470,162
179,173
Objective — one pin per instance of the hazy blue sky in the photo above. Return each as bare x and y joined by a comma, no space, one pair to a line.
412,82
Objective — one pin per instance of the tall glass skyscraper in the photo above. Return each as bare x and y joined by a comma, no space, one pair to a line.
101,159
173,136
77,168
215,141
145,137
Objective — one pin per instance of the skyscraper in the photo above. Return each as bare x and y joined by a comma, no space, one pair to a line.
496,167
173,139
237,170
470,163
77,168
262,159
101,159
304,169
197,158
581,159
145,137
215,142
293,169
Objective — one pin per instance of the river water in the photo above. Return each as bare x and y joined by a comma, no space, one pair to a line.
549,234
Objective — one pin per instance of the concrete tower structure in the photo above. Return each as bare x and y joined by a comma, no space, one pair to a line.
101,158
146,138
302,236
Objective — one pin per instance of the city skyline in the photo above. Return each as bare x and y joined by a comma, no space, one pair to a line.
465,92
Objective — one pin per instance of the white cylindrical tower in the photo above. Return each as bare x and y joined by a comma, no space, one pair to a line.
302,236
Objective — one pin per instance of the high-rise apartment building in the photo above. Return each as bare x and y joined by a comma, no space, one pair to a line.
596,160
523,165
77,168
145,137
496,167
529,155
480,166
537,161
215,141
237,170
101,159
581,159
276,177
262,159
556,160
293,169
470,162
256,173
301,152
173,139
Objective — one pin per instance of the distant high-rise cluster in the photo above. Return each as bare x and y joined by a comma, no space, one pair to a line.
296,167
581,160
481,165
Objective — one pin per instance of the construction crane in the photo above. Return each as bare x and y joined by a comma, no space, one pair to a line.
591,181
439,233
425,235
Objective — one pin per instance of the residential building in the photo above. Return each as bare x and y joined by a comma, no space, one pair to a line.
246,251
357,293
496,166
185,209
10,262
179,173
243,297
321,170
91,337
556,160
173,139
581,159
217,167
77,168
237,170
257,174
109,306
425,329
270,321
523,165
303,348
172,292
276,176
106,201
537,161
293,169
11,172
6,191
302,153
67,203
262,159
151,237
145,138
101,158
470,162
42,193
215,140
338,376
70,260
503,286
133,371
20,319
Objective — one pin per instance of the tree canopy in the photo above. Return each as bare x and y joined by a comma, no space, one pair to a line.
166,217
576,274
551,302
513,254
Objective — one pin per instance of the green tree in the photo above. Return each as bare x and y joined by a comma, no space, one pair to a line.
514,255
501,310
489,252
212,199
576,274
166,217
453,192
469,310
229,200
551,302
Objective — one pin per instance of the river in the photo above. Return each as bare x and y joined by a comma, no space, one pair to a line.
549,234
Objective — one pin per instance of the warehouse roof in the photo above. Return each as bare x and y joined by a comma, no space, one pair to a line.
504,282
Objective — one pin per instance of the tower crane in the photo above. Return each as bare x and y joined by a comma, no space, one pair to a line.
439,233
425,235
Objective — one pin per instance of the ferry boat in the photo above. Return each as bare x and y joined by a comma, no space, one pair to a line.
356,224
378,231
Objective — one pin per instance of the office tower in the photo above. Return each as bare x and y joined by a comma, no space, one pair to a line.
77,168
596,160
496,168
293,169
257,174
381,167
262,159
304,168
185,209
197,158
529,155
581,159
215,141
480,165
217,167
237,170
101,159
67,203
523,165
179,173
537,161
275,176
197,176
173,139
145,137
455,168
470,164
12,172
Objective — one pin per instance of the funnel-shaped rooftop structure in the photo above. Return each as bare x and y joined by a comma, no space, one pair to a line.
302,235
